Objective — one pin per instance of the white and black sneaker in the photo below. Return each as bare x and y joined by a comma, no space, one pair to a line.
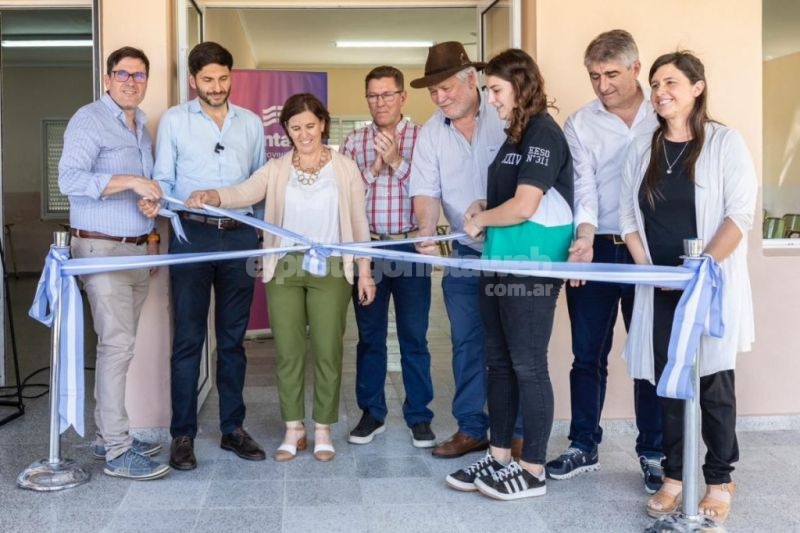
366,429
511,483
464,479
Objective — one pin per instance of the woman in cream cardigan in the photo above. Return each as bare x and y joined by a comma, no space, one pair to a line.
318,193
694,179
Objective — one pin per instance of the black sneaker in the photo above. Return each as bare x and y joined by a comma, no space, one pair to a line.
464,479
366,429
572,462
511,483
653,473
422,436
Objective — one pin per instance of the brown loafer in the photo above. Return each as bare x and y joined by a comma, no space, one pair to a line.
181,454
458,445
243,445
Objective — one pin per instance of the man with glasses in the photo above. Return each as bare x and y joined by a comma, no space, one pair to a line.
208,143
383,151
105,168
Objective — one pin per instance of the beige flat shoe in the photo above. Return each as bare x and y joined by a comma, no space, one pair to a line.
716,504
667,500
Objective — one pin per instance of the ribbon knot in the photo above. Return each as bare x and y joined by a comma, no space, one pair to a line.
699,313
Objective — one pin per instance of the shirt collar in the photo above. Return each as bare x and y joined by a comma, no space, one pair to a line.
118,112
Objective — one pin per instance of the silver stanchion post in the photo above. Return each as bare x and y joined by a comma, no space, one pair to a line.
690,519
54,473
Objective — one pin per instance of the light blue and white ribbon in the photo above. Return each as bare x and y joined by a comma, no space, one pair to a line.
56,289
699,313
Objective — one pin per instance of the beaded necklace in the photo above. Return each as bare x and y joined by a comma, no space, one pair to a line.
309,176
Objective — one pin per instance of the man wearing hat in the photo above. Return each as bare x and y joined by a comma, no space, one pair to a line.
449,169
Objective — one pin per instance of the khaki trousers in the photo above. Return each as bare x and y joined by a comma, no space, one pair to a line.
116,300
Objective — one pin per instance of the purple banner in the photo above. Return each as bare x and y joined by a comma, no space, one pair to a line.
264,92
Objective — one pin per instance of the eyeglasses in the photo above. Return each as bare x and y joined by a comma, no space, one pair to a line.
386,97
124,75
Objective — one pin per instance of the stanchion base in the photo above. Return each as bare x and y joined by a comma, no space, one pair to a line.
46,476
685,524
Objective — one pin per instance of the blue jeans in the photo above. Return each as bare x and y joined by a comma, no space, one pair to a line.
518,313
191,296
409,285
593,313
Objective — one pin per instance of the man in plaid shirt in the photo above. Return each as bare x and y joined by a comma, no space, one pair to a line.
382,150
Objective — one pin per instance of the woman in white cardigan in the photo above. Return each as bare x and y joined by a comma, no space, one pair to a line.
694,179
318,193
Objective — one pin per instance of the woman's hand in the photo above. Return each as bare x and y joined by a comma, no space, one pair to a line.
472,228
197,199
366,289
474,208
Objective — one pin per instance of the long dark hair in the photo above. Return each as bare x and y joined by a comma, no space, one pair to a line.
693,69
520,70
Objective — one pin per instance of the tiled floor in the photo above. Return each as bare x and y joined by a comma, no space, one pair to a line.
382,487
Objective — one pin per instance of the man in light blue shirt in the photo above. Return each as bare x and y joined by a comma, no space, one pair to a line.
209,143
105,168
449,169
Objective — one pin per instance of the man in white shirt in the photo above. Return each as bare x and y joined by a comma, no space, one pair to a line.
599,135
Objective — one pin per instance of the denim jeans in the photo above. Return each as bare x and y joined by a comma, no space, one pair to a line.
593,313
191,296
409,285
518,313
461,289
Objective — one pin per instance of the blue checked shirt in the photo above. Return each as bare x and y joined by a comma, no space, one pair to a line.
98,145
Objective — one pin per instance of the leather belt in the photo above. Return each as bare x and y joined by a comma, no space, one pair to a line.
393,236
616,239
218,222
83,234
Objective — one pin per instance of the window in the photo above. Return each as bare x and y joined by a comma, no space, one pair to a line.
54,204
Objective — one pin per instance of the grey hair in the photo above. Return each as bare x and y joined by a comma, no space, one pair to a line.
615,45
463,75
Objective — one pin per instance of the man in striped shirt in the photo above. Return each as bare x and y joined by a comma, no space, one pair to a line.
105,168
382,150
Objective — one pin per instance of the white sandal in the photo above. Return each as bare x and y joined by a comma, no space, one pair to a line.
286,451
323,452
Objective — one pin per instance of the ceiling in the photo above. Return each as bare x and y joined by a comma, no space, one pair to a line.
284,37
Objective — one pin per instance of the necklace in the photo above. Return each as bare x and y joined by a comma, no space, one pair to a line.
675,162
309,176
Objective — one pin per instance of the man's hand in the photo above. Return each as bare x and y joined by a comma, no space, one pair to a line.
427,247
149,208
581,251
386,147
197,199
147,188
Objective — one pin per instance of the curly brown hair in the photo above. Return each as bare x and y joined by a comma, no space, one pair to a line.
521,71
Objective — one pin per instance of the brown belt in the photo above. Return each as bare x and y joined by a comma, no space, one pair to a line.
219,223
83,234
616,239
393,236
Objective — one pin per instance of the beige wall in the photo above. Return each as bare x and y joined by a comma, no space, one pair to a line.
782,135
31,94
729,42
225,27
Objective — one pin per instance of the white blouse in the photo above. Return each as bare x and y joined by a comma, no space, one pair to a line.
312,210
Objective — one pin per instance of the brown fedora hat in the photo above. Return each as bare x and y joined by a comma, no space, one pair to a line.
444,60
